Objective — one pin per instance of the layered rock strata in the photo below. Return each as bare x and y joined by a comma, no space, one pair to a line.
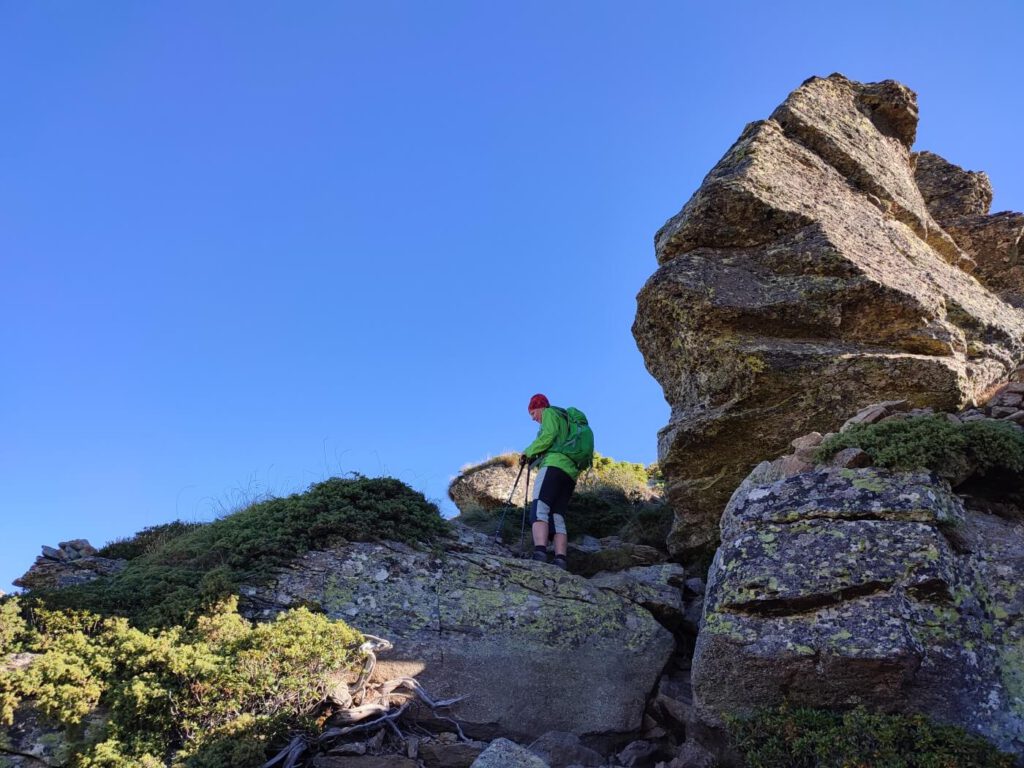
806,278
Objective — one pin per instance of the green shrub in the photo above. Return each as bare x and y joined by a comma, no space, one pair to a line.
633,479
953,451
13,629
199,567
216,694
145,541
810,738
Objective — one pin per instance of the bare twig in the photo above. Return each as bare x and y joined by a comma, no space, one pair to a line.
383,711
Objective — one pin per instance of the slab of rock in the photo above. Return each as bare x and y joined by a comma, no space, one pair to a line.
844,587
436,754
805,279
560,749
503,753
959,200
488,485
948,190
657,588
533,647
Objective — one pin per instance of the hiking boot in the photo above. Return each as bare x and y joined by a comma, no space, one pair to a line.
540,557
560,562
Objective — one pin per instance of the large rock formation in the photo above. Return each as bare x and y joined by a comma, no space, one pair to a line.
839,587
806,278
534,648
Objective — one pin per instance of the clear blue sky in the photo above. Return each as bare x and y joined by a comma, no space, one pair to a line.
248,245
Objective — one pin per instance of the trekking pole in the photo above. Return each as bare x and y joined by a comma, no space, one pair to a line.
504,510
526,505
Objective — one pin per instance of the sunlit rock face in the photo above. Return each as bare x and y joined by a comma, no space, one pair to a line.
533,648
959,200
841,587
807,278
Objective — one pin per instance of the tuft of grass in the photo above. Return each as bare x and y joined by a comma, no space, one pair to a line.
180,575
800,737
510,459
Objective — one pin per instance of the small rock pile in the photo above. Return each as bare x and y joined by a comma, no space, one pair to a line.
71,563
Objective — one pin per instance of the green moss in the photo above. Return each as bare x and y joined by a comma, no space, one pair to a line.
813,738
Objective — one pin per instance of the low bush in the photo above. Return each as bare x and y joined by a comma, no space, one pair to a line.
954,451
197,568
216,694
795,737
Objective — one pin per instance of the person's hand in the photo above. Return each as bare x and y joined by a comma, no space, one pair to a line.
524,460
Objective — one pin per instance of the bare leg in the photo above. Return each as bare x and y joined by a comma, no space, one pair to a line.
540,535
561,541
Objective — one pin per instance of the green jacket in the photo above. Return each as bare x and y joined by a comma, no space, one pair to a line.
553,429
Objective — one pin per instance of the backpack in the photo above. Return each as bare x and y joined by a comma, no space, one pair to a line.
578,444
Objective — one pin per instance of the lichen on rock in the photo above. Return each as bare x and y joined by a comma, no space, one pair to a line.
806,278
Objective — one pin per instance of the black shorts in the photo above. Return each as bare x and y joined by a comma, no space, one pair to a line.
551,497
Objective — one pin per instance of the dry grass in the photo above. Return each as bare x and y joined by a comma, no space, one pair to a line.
509,459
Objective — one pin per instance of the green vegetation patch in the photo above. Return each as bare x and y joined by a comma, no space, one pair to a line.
954,451
796,737
179,575
147,540
215,695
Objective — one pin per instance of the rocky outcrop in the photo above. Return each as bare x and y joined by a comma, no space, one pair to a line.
535,648
959,200
838,587
73,562
807,278
488,485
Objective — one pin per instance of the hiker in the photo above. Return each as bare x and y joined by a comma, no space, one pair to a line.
564,446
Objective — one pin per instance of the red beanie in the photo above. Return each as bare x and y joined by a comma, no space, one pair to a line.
538,401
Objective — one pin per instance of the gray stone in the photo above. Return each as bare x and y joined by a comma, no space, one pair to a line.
850,457
999,412
844,587
560,749
693,755
694,586
637,753
458,755
503,753
658,588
